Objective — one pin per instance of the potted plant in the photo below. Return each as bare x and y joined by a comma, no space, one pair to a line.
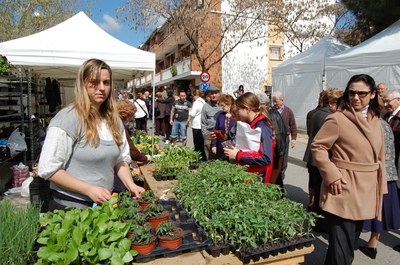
143,241
125,200
147,197
169,236
156,214
174,70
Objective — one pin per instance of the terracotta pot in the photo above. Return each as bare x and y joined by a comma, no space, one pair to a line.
156,221
171,244
144,249
145,204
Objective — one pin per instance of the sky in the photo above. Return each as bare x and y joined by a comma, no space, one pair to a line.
103,13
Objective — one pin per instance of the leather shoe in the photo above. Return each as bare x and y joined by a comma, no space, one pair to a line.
370,252
397,248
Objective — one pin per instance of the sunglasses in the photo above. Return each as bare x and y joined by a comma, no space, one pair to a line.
361,94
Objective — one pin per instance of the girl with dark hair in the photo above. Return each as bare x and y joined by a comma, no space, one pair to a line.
353,177
260,162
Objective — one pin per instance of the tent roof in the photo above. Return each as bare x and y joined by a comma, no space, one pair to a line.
312,59
381,49
59,51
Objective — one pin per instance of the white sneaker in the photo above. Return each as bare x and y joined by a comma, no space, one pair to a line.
167,142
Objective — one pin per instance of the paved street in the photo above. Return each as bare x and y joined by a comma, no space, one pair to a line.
296,184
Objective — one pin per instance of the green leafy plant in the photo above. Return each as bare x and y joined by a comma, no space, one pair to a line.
165,228
18,231
130,212
5,66
235,208
90,236
176,159
147,196
174,70
140,234
153,210
126,200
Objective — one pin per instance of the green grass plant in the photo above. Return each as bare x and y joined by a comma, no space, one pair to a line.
18,231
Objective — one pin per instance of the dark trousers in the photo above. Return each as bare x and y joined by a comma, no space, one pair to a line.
198,142
343,237
285,157
160,126
141,124
168,127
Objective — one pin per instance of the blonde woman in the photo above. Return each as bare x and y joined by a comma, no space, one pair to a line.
86,144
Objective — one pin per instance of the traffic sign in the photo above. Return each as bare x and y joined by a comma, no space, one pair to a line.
205,76
204,86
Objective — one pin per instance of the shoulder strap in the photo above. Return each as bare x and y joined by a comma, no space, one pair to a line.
141,107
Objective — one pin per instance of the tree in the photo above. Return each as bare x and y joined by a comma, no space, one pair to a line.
25,17
303,22
371,17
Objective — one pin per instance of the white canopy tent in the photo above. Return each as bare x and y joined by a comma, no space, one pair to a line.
301,78
59,51
378,56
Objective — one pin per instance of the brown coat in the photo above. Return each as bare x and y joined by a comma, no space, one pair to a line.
357,156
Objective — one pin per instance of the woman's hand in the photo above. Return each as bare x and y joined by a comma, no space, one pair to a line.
136,191
98,194
336,187
214,150
231,152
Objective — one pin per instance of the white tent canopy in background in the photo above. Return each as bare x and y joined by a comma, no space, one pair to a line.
301,77
378,56
59,51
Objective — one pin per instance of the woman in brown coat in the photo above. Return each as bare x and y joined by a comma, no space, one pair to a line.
354,178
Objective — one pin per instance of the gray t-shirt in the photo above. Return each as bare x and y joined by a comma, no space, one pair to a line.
94,165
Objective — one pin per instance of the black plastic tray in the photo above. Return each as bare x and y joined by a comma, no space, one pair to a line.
194,237
161,178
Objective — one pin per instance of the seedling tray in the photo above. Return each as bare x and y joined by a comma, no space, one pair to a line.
162,177
280,247
194,237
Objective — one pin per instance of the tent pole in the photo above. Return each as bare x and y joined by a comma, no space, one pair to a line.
153,120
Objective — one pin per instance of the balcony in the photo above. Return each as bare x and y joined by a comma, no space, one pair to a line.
164,77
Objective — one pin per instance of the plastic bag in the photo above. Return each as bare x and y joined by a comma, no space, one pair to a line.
16,141
247,139
20,174
25,186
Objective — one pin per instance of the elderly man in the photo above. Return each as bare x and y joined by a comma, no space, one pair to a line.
208,119
391,100
291,128
382,88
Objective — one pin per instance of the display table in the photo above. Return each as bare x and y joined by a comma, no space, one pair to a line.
199,258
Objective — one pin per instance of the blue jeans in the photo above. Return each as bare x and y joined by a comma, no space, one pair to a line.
179,128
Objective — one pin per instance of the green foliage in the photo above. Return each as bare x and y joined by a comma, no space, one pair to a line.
165,229
373,16
25,17
174,70
140,234
176,159
147,196
18,231
5,66
243,215
126,200
90,236
153,210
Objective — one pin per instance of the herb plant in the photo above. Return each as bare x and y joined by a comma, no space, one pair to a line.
140,234
147,196
18,231
165,228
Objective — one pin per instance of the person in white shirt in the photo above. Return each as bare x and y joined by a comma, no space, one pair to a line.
86,144
142,112
195,122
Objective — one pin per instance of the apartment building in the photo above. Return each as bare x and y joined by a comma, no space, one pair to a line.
249,64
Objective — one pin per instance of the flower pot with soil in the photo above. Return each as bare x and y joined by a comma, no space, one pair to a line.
143,241
156,214
169,235
147,197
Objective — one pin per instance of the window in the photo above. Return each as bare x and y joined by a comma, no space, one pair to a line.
276,53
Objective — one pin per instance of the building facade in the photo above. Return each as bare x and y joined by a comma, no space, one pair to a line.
248,64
